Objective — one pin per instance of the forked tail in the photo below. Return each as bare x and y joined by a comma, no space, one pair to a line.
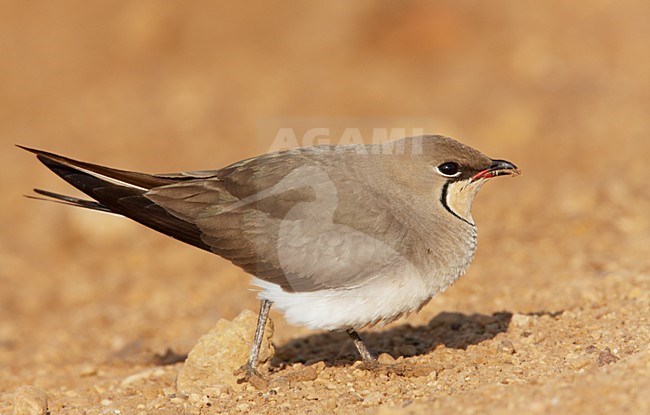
117,191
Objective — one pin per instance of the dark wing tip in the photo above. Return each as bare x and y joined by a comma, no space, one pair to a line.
47,193
39,153
31,150
69,200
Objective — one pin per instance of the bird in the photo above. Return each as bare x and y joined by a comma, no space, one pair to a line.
336,237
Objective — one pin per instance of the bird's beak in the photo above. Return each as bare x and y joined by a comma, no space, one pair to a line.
497,168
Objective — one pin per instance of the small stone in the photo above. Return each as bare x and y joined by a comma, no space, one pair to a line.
506,346
88,370
579,361
313,395
29,400
319,366
431,377
143,375
606,357
359,373
520,320
150,391
279,382
568,314
478,359
371,399
215,391
221,352
386,359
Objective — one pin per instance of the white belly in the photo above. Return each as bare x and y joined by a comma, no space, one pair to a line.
380,300
401,289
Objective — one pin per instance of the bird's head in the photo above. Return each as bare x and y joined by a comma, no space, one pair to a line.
459,171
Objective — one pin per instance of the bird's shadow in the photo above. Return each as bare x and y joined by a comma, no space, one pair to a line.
453,330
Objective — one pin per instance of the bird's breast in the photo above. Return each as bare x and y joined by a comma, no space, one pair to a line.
446,256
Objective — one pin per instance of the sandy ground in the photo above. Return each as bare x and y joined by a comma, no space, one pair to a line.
552,317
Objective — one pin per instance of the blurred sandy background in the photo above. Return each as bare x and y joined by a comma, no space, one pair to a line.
561,89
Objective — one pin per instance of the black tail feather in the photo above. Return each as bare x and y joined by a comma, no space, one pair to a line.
69,200
120,192
142,180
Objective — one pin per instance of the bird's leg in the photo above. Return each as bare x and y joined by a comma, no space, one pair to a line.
367,357
249,369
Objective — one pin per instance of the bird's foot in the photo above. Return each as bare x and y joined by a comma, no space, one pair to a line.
252,376
371,365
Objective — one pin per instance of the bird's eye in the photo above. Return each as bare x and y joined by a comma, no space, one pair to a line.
449,169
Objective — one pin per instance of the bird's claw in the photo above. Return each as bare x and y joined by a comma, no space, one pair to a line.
252,376
370,365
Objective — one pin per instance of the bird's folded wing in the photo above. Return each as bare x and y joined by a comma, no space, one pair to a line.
293,223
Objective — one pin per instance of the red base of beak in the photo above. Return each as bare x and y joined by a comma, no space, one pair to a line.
498,168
